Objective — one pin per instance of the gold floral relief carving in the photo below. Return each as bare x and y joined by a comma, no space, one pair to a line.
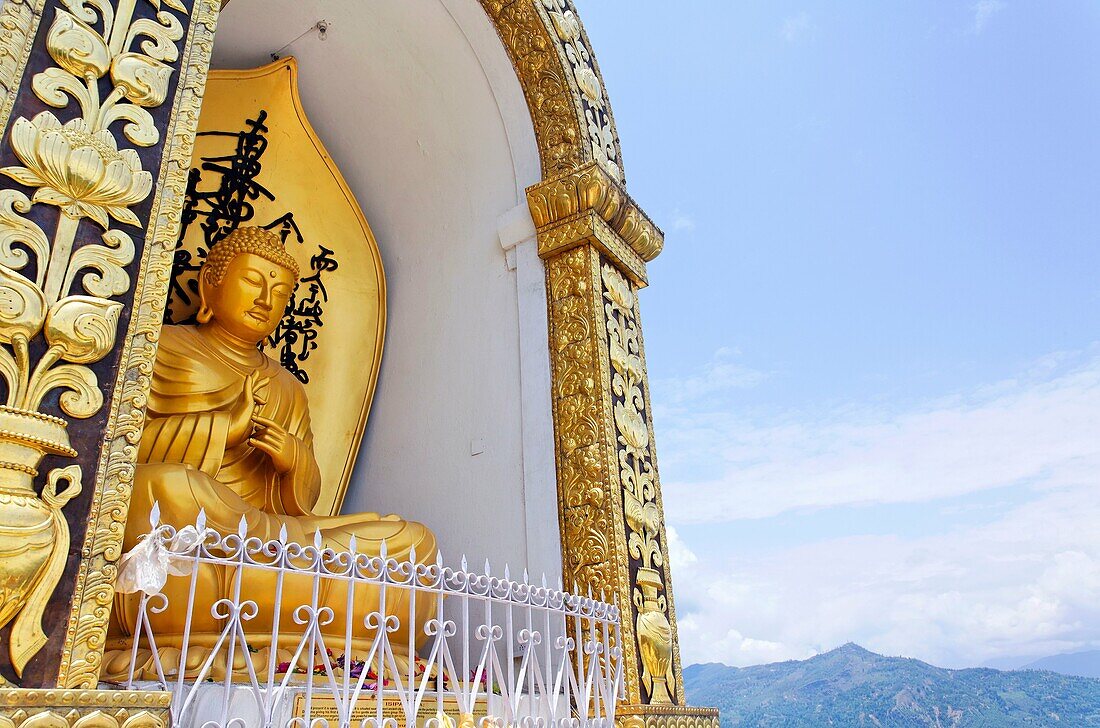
60,284
78,167
87,627
561,82
592,533
545,84
595,109
643,512
677,667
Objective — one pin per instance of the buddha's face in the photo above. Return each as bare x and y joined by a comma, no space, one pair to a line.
251,298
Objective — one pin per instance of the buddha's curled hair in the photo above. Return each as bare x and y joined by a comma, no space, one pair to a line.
255,240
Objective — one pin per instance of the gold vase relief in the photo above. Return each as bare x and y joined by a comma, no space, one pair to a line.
638,477
57,309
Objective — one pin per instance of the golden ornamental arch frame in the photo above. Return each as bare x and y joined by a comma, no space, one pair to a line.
595,242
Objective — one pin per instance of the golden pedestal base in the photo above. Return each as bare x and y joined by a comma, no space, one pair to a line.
89,708
665,716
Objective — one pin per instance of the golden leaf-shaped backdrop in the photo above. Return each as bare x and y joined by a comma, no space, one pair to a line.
253,154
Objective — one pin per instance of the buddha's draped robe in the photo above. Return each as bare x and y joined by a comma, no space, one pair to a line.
185,464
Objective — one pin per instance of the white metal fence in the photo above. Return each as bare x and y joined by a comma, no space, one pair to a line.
492,651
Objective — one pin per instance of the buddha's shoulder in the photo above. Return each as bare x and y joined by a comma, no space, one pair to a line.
177,338
183,349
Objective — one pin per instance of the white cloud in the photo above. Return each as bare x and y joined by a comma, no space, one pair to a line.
681,221
1027,583
1044,431
721,374
1022,578
796,27
678,551
984,10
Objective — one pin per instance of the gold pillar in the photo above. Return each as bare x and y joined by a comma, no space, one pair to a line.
595,241
99,104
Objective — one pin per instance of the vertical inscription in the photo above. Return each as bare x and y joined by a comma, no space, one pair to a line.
221,203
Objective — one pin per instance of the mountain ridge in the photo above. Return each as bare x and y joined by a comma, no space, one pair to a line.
852,686
1082,664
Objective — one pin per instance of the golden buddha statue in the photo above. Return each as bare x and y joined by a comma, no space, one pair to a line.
227,431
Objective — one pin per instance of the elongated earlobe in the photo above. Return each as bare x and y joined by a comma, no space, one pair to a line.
204,313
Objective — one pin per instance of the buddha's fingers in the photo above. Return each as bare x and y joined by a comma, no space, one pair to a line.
267,423
260,388
262,444
274,437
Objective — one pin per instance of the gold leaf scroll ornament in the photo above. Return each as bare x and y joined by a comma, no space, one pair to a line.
639,481
78,167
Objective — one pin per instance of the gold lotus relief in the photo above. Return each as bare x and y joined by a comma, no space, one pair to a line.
78,167
568,28
617,289
633,431
81,171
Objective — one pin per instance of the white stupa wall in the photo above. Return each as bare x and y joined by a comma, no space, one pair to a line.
418,104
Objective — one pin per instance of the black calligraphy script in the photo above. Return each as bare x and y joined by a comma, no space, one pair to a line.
231,181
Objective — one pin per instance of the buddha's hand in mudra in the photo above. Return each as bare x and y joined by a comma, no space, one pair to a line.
281,446
243,411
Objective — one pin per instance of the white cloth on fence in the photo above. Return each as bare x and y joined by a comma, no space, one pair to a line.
147,566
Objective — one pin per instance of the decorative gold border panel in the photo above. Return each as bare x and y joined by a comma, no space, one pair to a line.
19,21
91,605
666,716
99,708
113,92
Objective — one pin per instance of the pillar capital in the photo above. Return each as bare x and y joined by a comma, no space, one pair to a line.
588,206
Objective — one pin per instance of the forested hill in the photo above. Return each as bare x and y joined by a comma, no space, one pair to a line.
850,686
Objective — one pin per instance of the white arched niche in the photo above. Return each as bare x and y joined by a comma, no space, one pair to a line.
420,108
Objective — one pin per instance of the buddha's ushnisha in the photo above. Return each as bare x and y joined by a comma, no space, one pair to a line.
228,432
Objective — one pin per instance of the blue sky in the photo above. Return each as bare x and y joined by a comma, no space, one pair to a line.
872,336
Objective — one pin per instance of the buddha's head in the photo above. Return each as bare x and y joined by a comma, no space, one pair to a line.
245,283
